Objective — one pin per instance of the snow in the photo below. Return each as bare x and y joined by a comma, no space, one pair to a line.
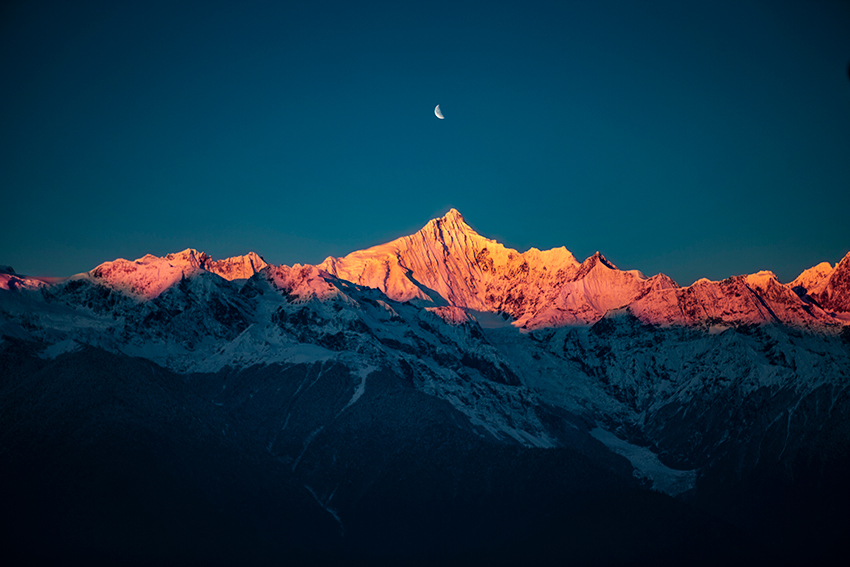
489,320
752,299
502,431
237,267
11,281
814,279
303,282
361,388
467,270
761,280
62,347
664,479
392,312
448,264
149,276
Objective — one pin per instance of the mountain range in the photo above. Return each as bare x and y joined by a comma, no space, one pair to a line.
438,398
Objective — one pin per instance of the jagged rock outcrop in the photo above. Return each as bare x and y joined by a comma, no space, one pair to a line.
834,293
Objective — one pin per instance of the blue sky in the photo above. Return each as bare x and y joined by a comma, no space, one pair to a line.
695,139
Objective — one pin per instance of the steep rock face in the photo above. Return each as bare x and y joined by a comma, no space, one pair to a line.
179,311
583,296
448,264
813,281
835,293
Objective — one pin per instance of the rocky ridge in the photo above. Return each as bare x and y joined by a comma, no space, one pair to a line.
551,289
149,276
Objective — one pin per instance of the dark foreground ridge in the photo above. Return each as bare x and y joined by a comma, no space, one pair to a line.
111,459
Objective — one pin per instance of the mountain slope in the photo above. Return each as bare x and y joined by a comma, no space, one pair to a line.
440,387
835,293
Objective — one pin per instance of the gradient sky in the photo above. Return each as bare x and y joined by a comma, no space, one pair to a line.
698,139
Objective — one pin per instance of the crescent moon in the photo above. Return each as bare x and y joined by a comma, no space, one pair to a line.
438,113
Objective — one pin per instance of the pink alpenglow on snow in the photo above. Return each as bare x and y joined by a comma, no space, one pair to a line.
9,280
149,276
835,293
303,283
448,263
454,272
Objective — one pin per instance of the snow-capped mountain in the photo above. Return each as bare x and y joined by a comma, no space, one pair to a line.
344,379
536,288
813,281
834,293
9,280
149,276
451,259
551,289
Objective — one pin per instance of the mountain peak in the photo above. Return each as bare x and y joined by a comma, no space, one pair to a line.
451,222
761,279
236,267
596,260
813,280
189,257
452,216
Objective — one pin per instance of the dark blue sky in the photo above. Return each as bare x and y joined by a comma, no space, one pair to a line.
695,139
